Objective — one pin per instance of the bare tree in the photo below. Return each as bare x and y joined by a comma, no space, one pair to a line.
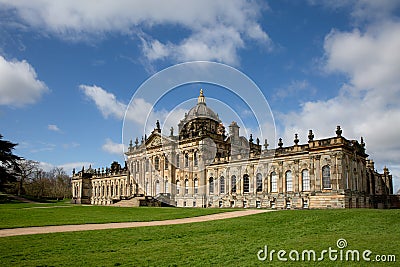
27,169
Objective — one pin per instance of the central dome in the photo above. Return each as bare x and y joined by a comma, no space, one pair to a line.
201,110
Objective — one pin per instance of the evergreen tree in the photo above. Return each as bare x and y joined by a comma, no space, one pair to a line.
9,167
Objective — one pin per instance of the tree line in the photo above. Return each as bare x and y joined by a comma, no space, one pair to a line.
26,177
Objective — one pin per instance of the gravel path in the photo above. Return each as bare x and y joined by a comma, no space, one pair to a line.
87,227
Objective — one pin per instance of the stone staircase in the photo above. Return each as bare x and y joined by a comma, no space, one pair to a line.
133,202
161,200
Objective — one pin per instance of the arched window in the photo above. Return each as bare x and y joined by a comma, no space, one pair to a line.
289,181
211,185
259,182
326,177
157,187
157,163
186,160
274,182
195,159
305,177
233,183
186,186
178,187
246,183
222,185
196,185
177,160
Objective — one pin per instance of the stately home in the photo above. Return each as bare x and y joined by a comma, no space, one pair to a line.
203,166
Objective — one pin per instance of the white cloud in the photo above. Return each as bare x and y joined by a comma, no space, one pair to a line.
53,127
367,105
215,29
19,85
113,148
139,111
106,102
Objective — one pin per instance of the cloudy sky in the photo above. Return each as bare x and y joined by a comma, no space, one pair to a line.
68,69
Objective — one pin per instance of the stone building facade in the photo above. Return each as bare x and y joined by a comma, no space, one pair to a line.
202,166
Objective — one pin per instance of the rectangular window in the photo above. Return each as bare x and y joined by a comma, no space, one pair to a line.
259,183
306,180
326,177
186,160
233,183
274,182
196,186
195,160
289,181
246,184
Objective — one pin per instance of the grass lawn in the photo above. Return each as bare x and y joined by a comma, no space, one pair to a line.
15,215
230,242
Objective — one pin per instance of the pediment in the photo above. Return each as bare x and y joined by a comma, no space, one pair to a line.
154,140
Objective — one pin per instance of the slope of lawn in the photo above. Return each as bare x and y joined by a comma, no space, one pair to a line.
28,214
230,242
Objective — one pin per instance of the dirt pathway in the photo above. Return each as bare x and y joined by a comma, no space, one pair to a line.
103,226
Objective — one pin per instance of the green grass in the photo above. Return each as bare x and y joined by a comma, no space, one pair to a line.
231,242
27,214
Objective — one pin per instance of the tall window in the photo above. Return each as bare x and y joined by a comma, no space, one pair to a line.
259,182
147,188
289,181
165,163
326,177
186,160
166,186
233,183
157,187
147,165
211,185
195,159
246,183
222,185
157,163
178,187
186,186
196,185
305,177
274,182
177,160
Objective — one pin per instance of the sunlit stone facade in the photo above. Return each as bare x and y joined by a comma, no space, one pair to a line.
202,166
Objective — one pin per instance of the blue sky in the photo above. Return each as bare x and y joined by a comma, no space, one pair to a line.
68,69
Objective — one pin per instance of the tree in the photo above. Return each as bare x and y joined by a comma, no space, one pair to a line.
9,167
27,169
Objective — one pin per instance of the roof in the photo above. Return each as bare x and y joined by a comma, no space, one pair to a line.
201,110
